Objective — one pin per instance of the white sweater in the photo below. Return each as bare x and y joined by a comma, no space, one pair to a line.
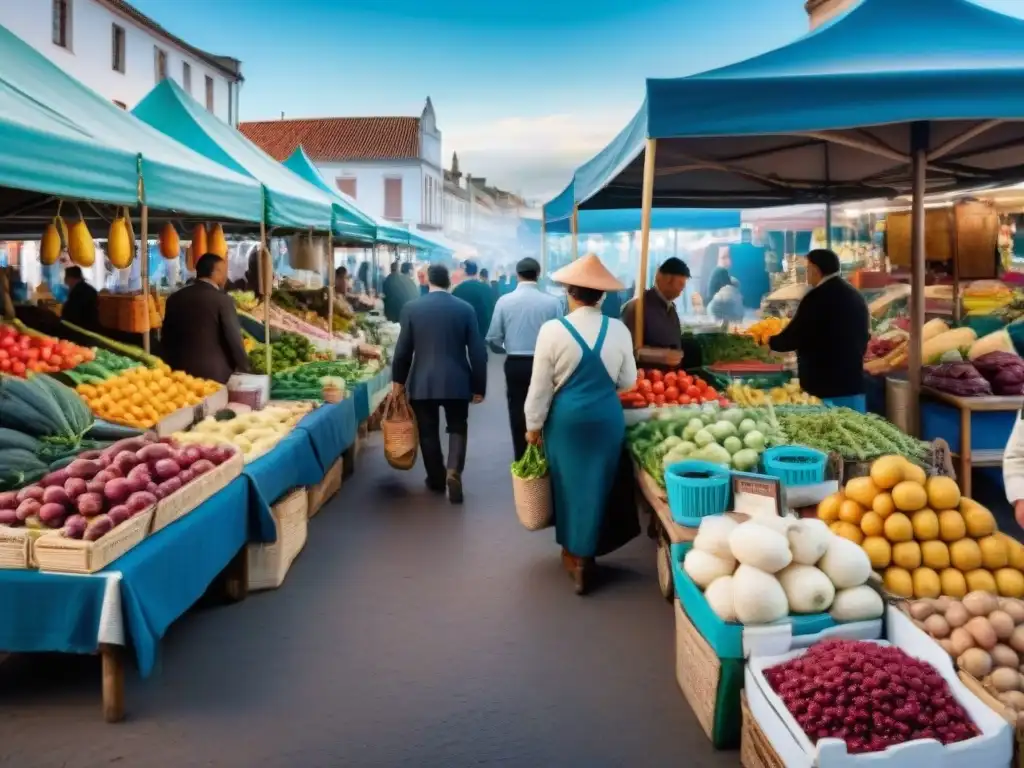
1013,463
558,354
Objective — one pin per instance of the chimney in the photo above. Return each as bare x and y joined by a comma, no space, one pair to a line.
282,115
821,11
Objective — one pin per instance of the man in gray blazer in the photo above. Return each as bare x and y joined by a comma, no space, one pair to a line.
440,360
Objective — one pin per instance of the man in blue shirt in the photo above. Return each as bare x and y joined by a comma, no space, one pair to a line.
515,324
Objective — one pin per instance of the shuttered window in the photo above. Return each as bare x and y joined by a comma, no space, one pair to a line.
393,199
186,77
347,184
61,10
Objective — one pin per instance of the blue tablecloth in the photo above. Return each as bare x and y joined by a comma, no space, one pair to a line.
161,579
361,401
290,464
332,431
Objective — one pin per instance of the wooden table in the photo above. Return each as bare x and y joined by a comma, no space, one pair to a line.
967,406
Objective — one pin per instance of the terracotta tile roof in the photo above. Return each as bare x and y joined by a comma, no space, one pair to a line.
225,64
336,139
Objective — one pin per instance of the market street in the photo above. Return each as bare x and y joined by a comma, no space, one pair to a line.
408,633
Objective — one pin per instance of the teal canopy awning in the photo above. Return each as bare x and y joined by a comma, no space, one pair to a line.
349,221
290,202
57,136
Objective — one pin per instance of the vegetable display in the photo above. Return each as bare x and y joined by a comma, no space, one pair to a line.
140,397
788,394
306,381
871,696
855,436
763,330
654,388
1004,371
961,379
23,353
763,570
532,465
730,348
252,433
287,352
922,536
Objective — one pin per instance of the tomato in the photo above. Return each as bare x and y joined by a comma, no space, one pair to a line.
645,386
710,393
655,375
693,392
45,353
640,374
47,342
658,388
684,400
671,379
7,342
700,384
5,365
671,393
659,399
723,402
56,360
18,368
32,354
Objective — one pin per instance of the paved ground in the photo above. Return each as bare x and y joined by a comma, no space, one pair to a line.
409,633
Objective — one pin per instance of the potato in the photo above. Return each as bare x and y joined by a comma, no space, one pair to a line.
1017,639
975,662
947,646
921,609
942,603
1005,679
937,627
1003,625
980,603
981,630
1013,607
961,640
956,615
1005,656
1012,699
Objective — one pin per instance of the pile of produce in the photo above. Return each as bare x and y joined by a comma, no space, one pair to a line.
750,396
253,433
764,329
764,570
289,350
922,536
141,397
985,635
285,321
871,696
889,351
984,297
312,307
1004,371
654,388
23,352
246,301
731,348
730,437
104,366
855,436
960,379
532,466
92,496
307,381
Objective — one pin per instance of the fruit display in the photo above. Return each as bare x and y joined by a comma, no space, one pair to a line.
984,297
141,396
306,382
761,571
654,388
197,247
23,352
788,394
764,329
730,437
81,246
121,242
290,350
253,433
854,436
871,696
170,243
104,365
922,536
90,497
129,351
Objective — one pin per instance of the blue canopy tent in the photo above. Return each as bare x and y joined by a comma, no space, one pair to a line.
350,223
607,222
848,112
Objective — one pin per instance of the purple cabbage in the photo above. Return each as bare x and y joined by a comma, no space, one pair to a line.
960,379
1004,371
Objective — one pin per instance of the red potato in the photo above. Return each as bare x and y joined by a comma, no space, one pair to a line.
98,527
124,461
28,508
9,516
151,488
84,468
93,486
128,444
76,486
56,494
166,469
202,466
74,527
9,500
187,476
89,504
167,487
119,514
60,477
141,500
118,490
154,452
53,515
30,492
140,474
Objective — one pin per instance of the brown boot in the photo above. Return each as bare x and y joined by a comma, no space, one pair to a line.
578,569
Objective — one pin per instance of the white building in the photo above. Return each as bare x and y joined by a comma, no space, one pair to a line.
121,53
391,166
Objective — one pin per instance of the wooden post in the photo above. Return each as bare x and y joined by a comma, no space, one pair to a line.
330,291
112,662
144,271
919,149
645,240
266,277
574,227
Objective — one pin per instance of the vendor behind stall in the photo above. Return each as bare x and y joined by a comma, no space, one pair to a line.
82,304
662,341
829,333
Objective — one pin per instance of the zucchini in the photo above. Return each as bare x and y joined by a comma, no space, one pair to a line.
28,408
20,460
104,430
93,369
72,406
12,438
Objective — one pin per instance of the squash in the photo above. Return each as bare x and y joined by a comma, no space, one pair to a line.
860,603
170,245
845,563
216,242
761,547
828,508
935,555
936,347
926,583
197,248
943,493
808,541
907,555
977,519
120,248
998,341
898,581
700,566
713,536
926,525
758,596
980,580
951,526
994,553
53,242
965,555
882,505
953,582
81,246
933,328
719,595
807,589
898,528
1009,582
851,512
872,524
879,552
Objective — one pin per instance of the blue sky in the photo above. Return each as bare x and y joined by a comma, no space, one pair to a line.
524,90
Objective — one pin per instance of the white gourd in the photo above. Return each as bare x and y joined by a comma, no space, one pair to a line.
713,535
757,596
845,563
778,524
719,597
760,546
807,589
808,541
704,568
857,604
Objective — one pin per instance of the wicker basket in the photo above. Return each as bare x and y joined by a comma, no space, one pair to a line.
323,491
53,552
533,502
401,439
755,749
180,503
269,563
15,548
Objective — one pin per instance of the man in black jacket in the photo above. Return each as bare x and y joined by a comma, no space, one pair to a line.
829,333
441,360
82,305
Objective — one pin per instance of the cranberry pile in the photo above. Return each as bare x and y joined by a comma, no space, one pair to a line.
870,696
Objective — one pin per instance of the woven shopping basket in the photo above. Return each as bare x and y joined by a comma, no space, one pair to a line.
401,440
533,494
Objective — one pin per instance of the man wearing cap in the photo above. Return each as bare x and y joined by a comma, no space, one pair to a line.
662,343
477,295
829,333
515,324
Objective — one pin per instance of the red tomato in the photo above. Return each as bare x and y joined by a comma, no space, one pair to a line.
18,368
700,384
684,382
710,393
649,397
659,399
684,400
692,392
8,342
32,354
655,376
3,354
47,342
671,393
5,365
56,360
723,402
645,386
658,388
671,379
45,353
25,342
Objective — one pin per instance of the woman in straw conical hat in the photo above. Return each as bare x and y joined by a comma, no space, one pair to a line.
581,363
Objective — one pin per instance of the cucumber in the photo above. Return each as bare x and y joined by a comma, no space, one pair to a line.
104,430
28,408
127,350
20,460
93,369
74,408
12,438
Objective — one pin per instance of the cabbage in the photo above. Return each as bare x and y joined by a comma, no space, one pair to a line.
733,444
721,430
747,425
692,428
762,427
703,438
670,442
686,448
714,454
745,460
732,415
754,440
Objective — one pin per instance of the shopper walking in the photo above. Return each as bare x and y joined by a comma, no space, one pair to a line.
398,291
829,333
478,295
580,363
440,361
517,320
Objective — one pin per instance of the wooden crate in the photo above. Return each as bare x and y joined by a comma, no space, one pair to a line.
54,552
125,312
183,501
15,548
269,563
755,749
323,491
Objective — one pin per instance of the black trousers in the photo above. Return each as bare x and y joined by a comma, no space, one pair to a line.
518,370
428,423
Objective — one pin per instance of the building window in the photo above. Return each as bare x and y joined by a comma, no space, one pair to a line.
186,76
117,48
62,23
393,198
347,184
160,58
209,94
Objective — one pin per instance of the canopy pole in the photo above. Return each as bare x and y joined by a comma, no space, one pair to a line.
144,272
828,226
543,245
919,144
645,240
265,277
574,223
330,291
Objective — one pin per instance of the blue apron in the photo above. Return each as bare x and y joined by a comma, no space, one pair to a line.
583,439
